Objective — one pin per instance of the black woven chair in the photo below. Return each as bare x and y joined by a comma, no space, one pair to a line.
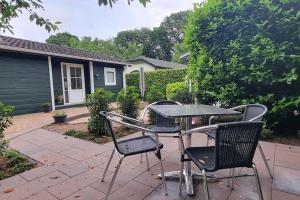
235,146
252,112
132,146
162,124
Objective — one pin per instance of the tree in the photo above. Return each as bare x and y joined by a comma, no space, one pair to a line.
62,39
10,9
111,2
179,50
174,25
132,51
248,52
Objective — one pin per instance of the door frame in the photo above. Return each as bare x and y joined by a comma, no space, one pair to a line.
63,84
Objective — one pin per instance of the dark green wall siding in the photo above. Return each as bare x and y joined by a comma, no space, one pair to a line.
99,81
24,81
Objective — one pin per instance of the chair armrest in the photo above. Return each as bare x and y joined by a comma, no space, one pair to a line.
203,129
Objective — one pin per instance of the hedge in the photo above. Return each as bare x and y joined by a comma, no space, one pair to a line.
159,78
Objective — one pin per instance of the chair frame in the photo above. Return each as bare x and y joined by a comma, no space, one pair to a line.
253,119
204,130
142,121
111,117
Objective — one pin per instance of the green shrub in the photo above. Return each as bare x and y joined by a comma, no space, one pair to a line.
266,133
96,102
248,52
159,78
18,162
73,133
128,101
5,122
179,91
155,93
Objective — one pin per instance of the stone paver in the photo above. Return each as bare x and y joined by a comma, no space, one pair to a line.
71,169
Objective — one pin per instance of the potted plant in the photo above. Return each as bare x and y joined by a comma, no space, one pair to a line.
47,107
59,116
59,99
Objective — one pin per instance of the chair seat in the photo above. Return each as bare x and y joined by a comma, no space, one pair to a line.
161,129
137,145
203,157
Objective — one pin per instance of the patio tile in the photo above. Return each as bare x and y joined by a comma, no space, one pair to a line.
287,159
74,184
150,177
278,195
11,182
70,152
57,147
283,147
75,169
47,157
86,193
132,191
35,186
287,180
83,155
45,169
44,195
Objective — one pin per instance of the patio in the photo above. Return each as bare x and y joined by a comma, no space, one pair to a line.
72,168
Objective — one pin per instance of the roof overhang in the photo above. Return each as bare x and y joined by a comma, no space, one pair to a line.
23,50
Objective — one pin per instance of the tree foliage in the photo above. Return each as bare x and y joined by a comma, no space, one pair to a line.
10,9
248,52
5,122
111,2
64,39
128,101
179,50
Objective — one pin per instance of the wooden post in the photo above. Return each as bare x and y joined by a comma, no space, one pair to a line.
92,83
51,82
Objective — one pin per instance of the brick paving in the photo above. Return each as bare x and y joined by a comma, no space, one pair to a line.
71,169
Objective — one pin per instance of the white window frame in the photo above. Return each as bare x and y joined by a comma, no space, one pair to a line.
108,69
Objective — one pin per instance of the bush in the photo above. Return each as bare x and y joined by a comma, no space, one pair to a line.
159,78
248,52
155,93
128,101
179,92
5,122
96,102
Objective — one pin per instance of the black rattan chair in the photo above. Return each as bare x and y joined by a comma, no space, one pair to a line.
132,146
252,112
162,124
235,146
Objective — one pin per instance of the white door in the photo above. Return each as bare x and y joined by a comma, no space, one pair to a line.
73,84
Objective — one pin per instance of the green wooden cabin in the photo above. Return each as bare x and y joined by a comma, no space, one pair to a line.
33,73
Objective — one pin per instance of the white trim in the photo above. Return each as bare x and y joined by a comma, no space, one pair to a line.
108,69
57,54
63,81
91,66
124,80
51,83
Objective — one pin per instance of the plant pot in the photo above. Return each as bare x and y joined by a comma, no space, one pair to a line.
47,108
60,119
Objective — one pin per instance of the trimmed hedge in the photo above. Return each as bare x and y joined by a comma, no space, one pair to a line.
159,78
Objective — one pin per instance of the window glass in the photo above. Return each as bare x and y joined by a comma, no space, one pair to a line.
78,72
79,83
73,71
66,96
110,77
73,83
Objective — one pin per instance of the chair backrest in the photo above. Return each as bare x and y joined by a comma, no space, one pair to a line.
254,112
123,120
159,119
236,143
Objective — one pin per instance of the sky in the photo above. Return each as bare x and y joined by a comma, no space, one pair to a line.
86,18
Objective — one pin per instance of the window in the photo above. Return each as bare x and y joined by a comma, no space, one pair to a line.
76,78
110,76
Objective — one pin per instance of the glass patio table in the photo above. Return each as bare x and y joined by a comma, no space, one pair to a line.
187,112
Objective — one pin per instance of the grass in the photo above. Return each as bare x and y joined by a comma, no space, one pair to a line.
100,139
12,163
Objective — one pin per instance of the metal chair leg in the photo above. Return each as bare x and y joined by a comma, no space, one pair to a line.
158,154
207,197
147,161
181,178
141,160
107,166
232,179
113,179
265,160
228,180
260,194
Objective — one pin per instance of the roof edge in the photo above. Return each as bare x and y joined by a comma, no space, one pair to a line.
58,55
